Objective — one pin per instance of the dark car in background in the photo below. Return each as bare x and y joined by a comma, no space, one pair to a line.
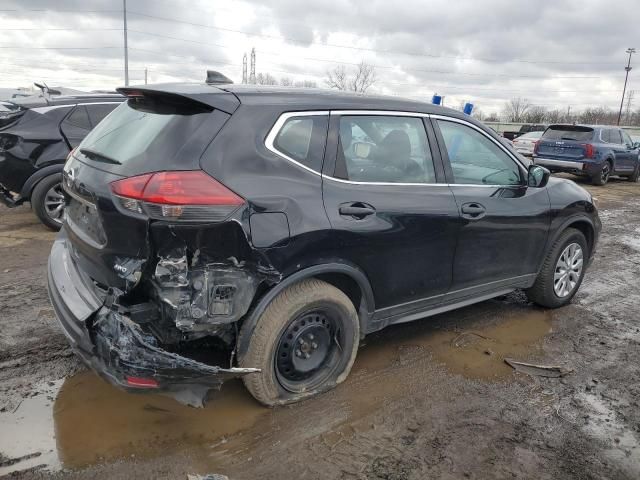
36,135
526,128
278,227
593,151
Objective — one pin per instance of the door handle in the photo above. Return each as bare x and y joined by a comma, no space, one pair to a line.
473,211
358,211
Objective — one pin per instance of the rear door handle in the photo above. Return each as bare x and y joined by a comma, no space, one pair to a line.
473,211
357,211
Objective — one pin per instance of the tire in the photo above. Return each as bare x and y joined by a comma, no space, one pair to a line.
46,199
602,177
304,307
635,175
543,292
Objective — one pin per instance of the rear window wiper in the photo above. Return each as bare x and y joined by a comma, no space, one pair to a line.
98,157
569,138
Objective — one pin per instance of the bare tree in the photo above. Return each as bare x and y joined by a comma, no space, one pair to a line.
515,109
359,82
597,116
555,116
535,114
493,117
337,78
286,81
266,79
477,114
306,84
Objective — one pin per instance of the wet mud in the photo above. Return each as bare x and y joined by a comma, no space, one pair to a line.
428,399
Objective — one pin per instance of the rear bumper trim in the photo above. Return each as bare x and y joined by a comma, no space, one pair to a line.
112,344
550,162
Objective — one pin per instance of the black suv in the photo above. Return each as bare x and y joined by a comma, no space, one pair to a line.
36,136
279,227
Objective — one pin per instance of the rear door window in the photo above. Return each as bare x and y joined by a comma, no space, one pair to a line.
99,111
568,132
76,125
302,139
79,118
386,149
616,137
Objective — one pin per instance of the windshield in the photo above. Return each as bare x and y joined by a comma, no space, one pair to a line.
568,132
143,129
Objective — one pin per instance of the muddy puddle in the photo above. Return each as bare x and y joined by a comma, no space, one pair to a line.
93,422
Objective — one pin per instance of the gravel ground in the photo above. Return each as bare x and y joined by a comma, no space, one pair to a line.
430,399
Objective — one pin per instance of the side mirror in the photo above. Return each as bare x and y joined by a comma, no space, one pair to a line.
636,145
537,176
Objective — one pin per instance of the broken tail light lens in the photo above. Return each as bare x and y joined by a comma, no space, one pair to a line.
191,196
142,382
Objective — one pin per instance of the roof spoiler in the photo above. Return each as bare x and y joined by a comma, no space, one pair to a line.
216,78
216,98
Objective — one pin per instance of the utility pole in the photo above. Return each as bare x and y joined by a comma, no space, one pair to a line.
145,75
252,74
627,110
244,68
630,51
126,49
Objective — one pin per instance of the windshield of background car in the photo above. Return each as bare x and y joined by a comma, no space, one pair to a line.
531,136
144,127
568,132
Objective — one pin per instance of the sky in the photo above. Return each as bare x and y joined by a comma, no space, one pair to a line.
562,53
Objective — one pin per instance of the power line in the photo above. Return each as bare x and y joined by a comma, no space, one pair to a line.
293,40
15,47
386,67
352,47
82,29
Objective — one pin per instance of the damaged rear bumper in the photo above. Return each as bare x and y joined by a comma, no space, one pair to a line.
112,344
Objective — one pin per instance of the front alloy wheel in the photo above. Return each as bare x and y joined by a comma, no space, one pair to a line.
568,270
562,270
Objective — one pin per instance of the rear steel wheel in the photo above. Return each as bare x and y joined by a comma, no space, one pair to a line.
304,343
308,351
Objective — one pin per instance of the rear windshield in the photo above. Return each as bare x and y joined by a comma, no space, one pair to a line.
143,127
568,132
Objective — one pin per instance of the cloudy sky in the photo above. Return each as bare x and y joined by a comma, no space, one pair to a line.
554,53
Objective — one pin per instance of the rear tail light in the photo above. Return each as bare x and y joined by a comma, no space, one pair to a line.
142,382
191,196
589,151
535,146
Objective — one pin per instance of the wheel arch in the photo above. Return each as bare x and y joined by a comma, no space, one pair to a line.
39,175
346,277
581,223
